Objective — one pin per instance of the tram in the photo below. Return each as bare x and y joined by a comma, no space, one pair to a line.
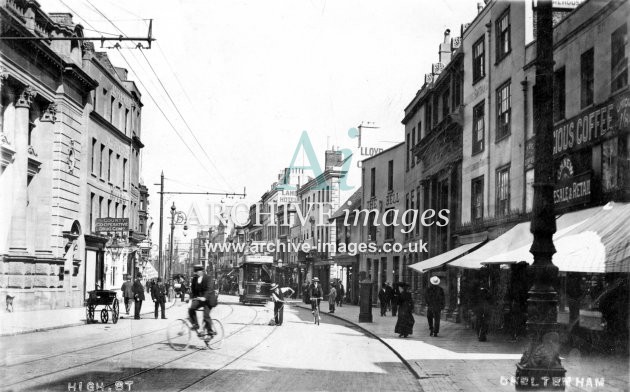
255,279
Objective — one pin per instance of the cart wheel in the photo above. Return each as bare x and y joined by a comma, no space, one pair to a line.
104,316
115,311
89,314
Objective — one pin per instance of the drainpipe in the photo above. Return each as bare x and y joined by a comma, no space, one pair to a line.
524,84
489,142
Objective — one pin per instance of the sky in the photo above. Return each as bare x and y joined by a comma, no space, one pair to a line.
249,76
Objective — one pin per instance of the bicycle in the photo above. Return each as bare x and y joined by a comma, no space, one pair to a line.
180,331
316,316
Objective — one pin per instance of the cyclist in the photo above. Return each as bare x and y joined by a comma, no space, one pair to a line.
202,293
316,294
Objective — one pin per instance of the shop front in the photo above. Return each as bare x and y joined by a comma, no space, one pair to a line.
592,255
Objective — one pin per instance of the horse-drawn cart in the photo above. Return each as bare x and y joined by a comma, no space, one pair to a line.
106,298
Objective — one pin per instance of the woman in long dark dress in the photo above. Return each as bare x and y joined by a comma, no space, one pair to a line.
404,325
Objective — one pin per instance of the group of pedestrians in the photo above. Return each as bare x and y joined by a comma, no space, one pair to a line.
398,300
134,293
388,298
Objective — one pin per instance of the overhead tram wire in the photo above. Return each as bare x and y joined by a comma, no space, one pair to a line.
148,92
169,97
184,120
164,115
199,186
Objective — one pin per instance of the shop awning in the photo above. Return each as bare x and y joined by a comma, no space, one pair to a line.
517,238
598,244
443,258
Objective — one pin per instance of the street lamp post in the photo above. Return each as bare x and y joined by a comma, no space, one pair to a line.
177,218
540,365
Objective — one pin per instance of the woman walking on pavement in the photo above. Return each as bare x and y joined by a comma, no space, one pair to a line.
404,325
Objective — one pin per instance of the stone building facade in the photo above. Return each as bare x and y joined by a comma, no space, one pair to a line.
70,154
113,172
383,187
44,118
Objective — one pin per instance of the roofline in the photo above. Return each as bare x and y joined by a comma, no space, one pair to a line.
384,151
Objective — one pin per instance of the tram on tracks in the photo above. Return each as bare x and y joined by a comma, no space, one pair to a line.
255,279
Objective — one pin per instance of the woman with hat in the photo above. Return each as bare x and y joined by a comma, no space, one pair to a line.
434,296
277,295
405,322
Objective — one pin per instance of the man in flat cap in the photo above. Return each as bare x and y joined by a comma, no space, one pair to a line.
203,296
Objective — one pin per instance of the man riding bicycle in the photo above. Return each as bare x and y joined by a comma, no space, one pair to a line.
316,294
203,296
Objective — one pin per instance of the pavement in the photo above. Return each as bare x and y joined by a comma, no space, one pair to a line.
457,361
454,361
17,323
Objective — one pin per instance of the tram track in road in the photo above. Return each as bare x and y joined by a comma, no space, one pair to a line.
35,360
213,372
5,386
195,351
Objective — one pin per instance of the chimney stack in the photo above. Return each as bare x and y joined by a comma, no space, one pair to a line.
445,48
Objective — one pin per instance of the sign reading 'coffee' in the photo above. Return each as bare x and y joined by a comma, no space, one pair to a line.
592,125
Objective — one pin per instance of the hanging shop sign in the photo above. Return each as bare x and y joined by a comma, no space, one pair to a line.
593,125
571,189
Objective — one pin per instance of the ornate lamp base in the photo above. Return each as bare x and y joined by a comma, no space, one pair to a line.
539,378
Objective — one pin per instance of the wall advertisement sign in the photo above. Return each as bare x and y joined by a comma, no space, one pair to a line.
111,224
593,125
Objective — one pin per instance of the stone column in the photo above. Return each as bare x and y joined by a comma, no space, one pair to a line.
17,242
44,193
7,159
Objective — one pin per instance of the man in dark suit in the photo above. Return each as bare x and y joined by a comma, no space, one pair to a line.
202,293
383,297
138,295
434,296
158,293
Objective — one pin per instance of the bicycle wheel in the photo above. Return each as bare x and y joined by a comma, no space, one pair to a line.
217,340
178,334
317,316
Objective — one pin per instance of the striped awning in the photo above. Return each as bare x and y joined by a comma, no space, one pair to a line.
518,237
440,260
598,244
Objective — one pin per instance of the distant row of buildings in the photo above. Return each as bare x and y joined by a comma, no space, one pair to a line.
71,147
468,148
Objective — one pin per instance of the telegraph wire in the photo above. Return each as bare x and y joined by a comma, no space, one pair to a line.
169,97
147,90
164,114
196,185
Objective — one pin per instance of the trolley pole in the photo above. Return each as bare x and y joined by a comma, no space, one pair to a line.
161,224
170,256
